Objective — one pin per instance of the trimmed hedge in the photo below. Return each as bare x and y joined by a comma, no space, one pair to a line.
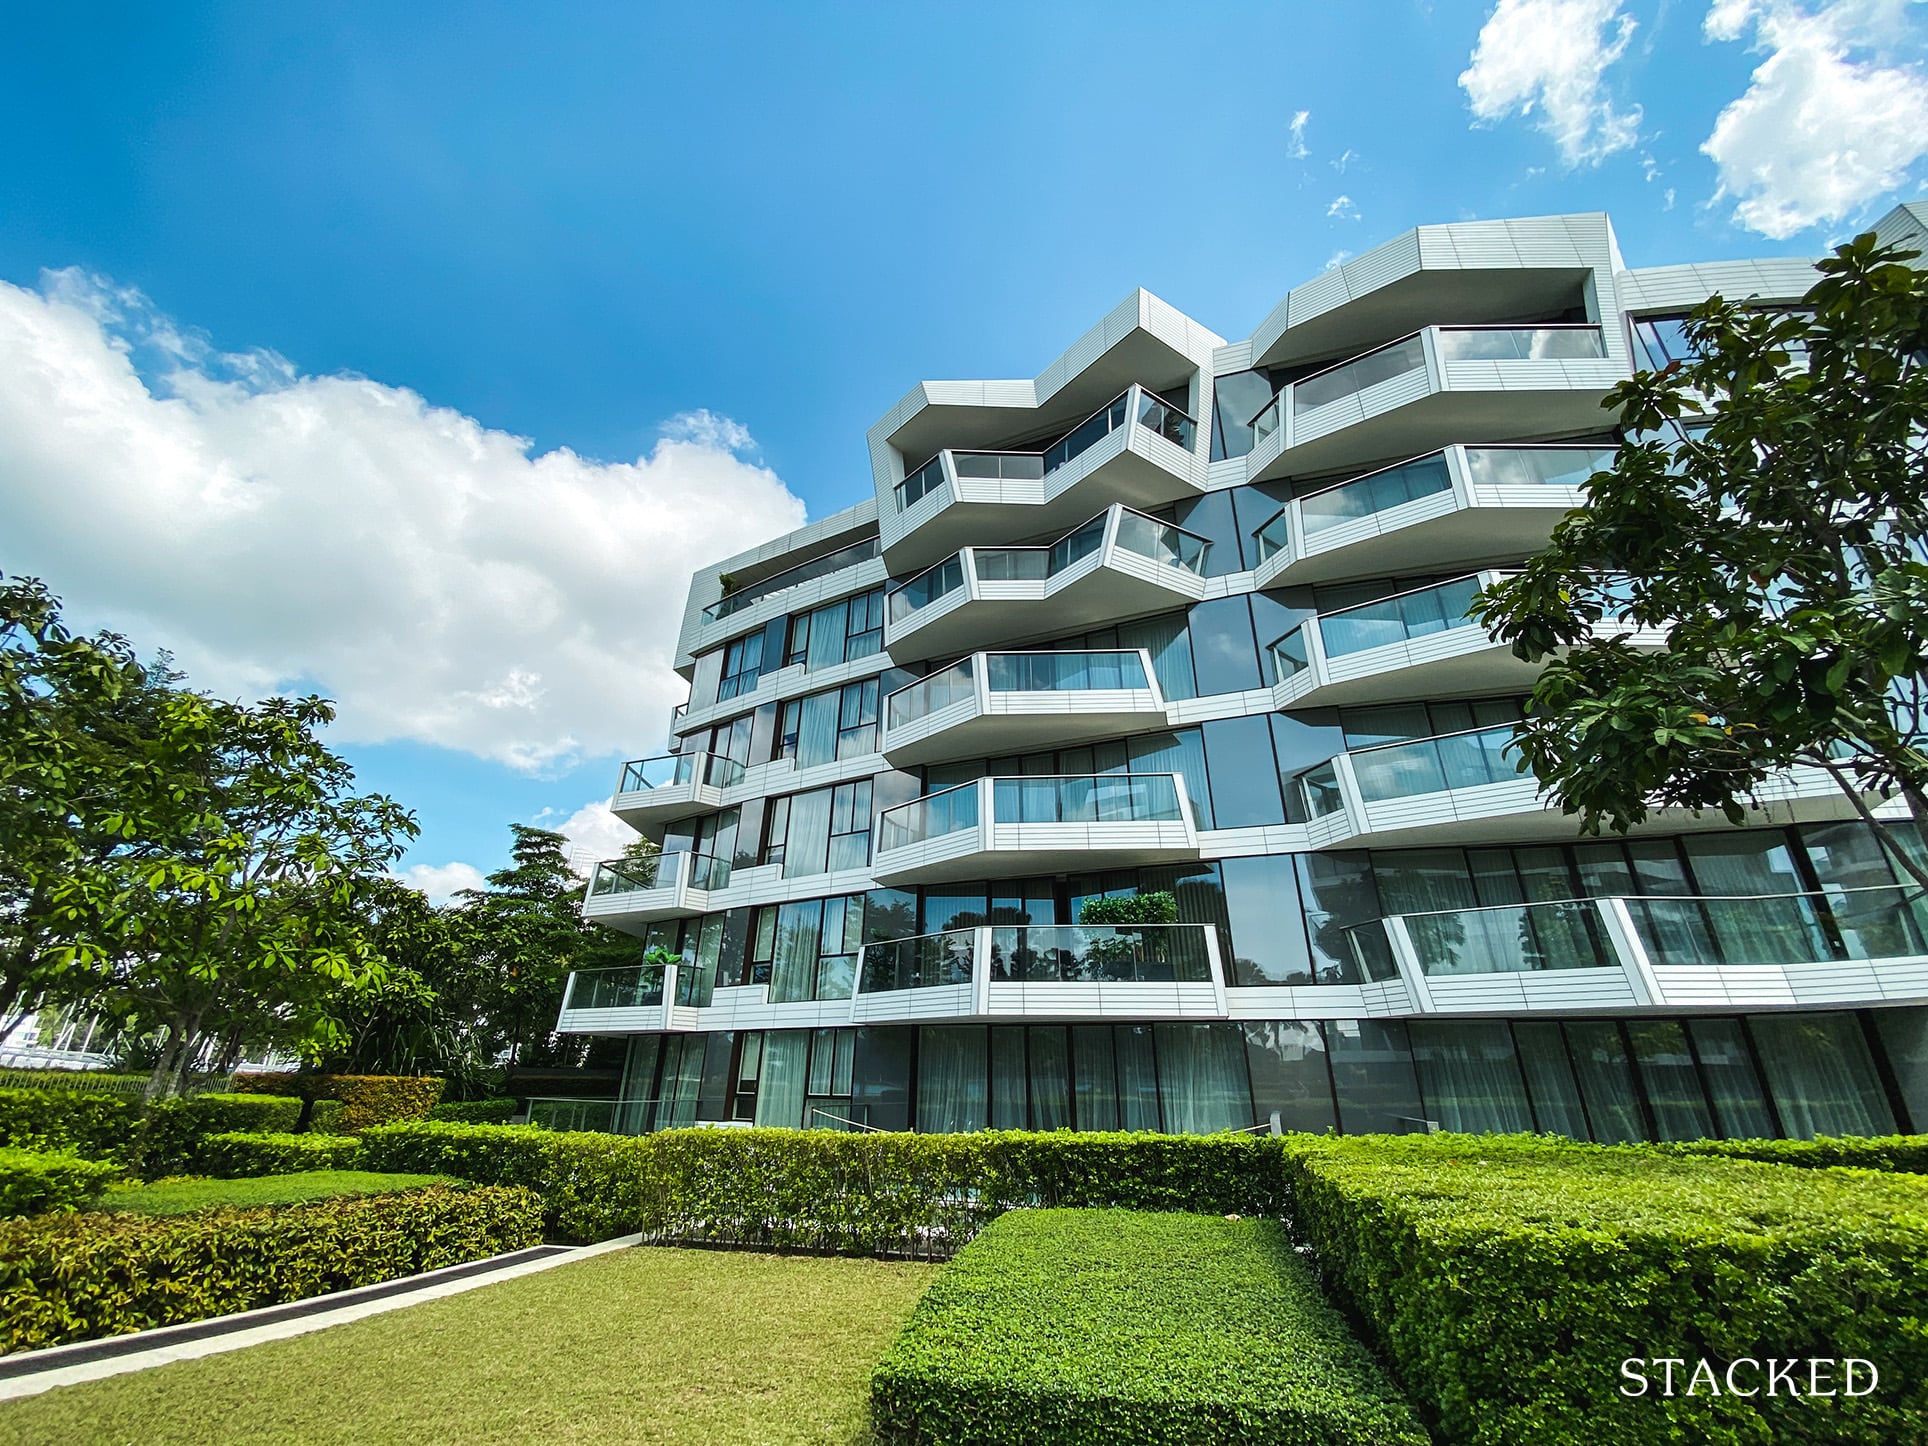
78,1277
1907,1154
366,1099
34,1181
921,1195
475,1112
94,1124
174,1131
239,1153
1085,1326
1507,1279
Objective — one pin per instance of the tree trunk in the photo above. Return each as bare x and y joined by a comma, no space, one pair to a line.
1883,834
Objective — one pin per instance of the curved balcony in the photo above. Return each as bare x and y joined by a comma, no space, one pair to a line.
1120,564
655,791
630,894
995,703
1137,449
1036,824
1423,391
1461,505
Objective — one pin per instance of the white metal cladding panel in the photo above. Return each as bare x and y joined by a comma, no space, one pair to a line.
697,795
1550,375
930,851
617,906
1220,705
1376,524
1148,834
907,627
781,775
1226,472
610,1021
1390,657
949,716
1758,985
1174,579
801,598
1552,499
1350,411
1162,452
1072,701
1386,996
1108,1000
1678,288
945,1001
801,544
1531,989
1290,1001
1017,589
1231,358
1452,805
1381,266
792,682
765,884
1268,838
898,524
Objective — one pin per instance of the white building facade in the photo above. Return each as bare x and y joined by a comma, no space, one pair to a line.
1185,618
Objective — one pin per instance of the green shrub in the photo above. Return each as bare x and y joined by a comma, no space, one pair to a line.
1158,907
1107,1325
94,1124
1507,1279
1906,1153
35,1181
324,1117
238,1153
366,1099
195,1192
174,1130
827,1190
475,1112
78,1277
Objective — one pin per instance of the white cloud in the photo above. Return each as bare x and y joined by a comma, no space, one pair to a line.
1295,148
1552,56
1830,120
594,833
1337,258
1667,203
282,531
1344,159
442,882
1342,209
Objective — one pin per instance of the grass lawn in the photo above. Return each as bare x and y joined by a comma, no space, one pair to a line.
177,1197
650,1345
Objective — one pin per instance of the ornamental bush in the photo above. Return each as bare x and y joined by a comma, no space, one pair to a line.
475,1112
175,1130
93,1124
35,1181
1507,1280
885,1193
366,1099
1108,1325
1906,1153
78,1277
240,1153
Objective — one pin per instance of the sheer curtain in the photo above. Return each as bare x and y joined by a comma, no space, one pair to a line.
780,1090
952,1075
1470,1076
1050,1078
1740,1104
1606,1082
1821,1074
1549,1078
1205,1082
1673,1084
1137,1077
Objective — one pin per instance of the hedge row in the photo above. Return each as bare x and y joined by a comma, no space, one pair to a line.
1905,1153
1508,1279
1087,1326
920,1195
237,1154
366,1099
96,1125
34,1181
475,1112
174,1130
78,1277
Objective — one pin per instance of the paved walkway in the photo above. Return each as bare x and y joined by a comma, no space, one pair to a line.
30,1372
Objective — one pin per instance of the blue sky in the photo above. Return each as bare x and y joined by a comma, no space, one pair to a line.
352,253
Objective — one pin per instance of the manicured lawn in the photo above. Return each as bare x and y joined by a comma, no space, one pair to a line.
643,1346
177,1197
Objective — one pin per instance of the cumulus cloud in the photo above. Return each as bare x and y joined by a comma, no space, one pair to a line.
1295,148
594,833
442,882
1831,119
1550,57
280,531
1342,209
1337,259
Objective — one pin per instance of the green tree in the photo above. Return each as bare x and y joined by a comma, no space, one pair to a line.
1769,513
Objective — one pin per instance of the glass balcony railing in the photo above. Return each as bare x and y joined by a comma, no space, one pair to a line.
636,987
999,466
1349,378
1536,466
1433,765
1512,938
927,478
803,572
1162,542
1160,416
1375,492
1838,924
673,769
948,811
928,961
1087,798
1520,343
929,695
1289,655
1066,672
1397,619
927,587
1318,791
1096,953
1088,433
638,876
1275,535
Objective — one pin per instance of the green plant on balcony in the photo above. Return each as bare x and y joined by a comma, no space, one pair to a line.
1116,956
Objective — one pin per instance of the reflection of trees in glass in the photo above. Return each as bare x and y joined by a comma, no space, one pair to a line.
1128,953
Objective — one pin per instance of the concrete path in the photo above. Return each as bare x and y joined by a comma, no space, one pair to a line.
28,1373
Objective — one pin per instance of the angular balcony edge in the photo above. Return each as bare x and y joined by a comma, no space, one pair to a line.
630,895
989,704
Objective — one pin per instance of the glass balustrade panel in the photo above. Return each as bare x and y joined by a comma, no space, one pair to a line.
1160,416
1431,765
1162,543
1274,537
932,816
1000,466
926,478
1379,492
1397,619
1095,798
931,695
1353,377
1520,343
1067,672
930,961
1319,791
1536,466
926,588
640,987
1512,939
1289,655
1087,434
630,876
1011,564
1096,954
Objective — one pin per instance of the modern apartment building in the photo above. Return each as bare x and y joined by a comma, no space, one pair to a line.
1185,617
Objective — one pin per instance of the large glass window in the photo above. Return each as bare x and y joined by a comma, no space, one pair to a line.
1205,1083
1266,921
1243,771
1372,1073
953,1078
742,666
1470,1075
1236,399
1224,655
1904,1035
1290,1079
1606,1081
1821,1075
1668,1071
837,632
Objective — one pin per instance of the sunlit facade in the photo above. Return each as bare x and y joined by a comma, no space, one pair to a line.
1186,617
